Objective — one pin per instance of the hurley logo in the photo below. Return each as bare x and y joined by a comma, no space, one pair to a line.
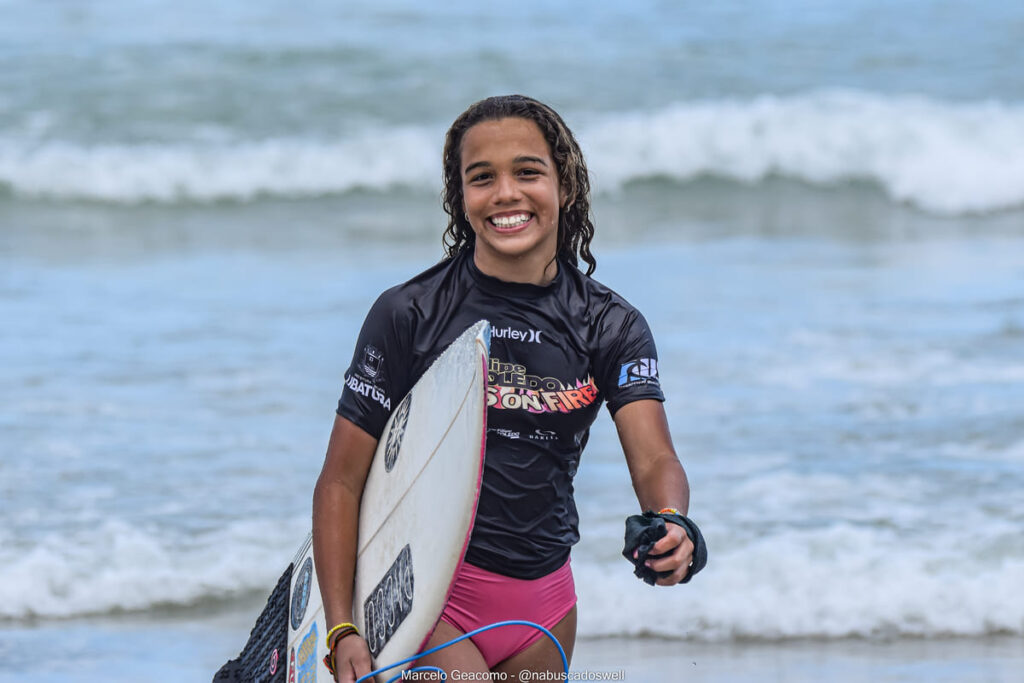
532,336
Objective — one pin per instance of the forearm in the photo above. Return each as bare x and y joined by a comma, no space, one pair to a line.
336,516
662,483
658,477
335,536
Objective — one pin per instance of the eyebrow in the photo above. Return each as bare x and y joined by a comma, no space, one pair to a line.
518,160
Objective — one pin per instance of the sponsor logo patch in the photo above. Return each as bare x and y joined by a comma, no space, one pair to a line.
543,435
512,334
511,387
638,372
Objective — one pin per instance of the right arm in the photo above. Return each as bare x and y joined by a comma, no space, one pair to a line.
336,498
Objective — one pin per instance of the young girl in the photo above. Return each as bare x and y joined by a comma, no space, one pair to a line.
517,197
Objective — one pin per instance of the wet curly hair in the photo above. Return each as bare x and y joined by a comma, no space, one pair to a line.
575,229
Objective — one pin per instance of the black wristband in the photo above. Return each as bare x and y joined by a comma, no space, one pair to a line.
643,531
700,548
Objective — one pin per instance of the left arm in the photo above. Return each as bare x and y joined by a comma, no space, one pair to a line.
658,479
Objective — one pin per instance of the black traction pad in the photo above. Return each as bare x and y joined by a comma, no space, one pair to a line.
264,659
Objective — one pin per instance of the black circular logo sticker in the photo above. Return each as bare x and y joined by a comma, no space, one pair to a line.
300,594
395,434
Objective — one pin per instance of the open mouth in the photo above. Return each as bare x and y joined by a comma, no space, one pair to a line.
510,222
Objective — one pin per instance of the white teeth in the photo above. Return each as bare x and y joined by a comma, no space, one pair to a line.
510,221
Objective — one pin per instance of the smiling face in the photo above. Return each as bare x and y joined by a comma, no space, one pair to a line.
512,199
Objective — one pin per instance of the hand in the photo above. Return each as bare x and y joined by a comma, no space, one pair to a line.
351,659
679,557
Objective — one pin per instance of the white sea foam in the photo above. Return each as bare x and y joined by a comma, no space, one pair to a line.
943,157
120,567
241,171
837,582
831,582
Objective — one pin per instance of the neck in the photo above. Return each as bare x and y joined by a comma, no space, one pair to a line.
523,269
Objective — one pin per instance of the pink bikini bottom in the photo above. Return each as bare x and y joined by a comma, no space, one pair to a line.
480,598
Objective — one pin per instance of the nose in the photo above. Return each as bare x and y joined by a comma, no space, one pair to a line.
506,189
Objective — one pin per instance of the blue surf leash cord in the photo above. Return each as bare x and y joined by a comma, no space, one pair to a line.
497,624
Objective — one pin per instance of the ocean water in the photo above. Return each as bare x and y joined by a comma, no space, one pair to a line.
819,207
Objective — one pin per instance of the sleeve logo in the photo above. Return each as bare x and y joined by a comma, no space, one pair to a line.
371,363
638,372
368,390
366,377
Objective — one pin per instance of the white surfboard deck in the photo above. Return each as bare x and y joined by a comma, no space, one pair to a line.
415,518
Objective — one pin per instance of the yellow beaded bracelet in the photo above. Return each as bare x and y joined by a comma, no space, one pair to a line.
339,627
668,511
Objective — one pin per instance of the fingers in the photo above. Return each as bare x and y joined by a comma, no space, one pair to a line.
352,659
674,535
362,663
678,550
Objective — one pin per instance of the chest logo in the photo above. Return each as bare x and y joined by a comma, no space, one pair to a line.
530,336
511,387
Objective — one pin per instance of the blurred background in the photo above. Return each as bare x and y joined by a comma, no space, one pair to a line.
819,207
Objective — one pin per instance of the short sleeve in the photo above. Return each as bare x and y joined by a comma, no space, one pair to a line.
626,364
377,378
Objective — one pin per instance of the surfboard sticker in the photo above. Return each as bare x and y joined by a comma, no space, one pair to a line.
275,659
300,593
308,660
390,602
396,433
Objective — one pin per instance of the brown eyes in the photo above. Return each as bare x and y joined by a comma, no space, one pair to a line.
482,177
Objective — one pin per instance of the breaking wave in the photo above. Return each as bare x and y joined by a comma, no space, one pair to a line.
943,157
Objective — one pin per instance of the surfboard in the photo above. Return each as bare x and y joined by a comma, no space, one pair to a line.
415,519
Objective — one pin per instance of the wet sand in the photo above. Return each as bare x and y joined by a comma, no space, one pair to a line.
187,648
957,659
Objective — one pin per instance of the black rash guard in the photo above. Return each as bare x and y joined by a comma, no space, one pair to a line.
556,352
